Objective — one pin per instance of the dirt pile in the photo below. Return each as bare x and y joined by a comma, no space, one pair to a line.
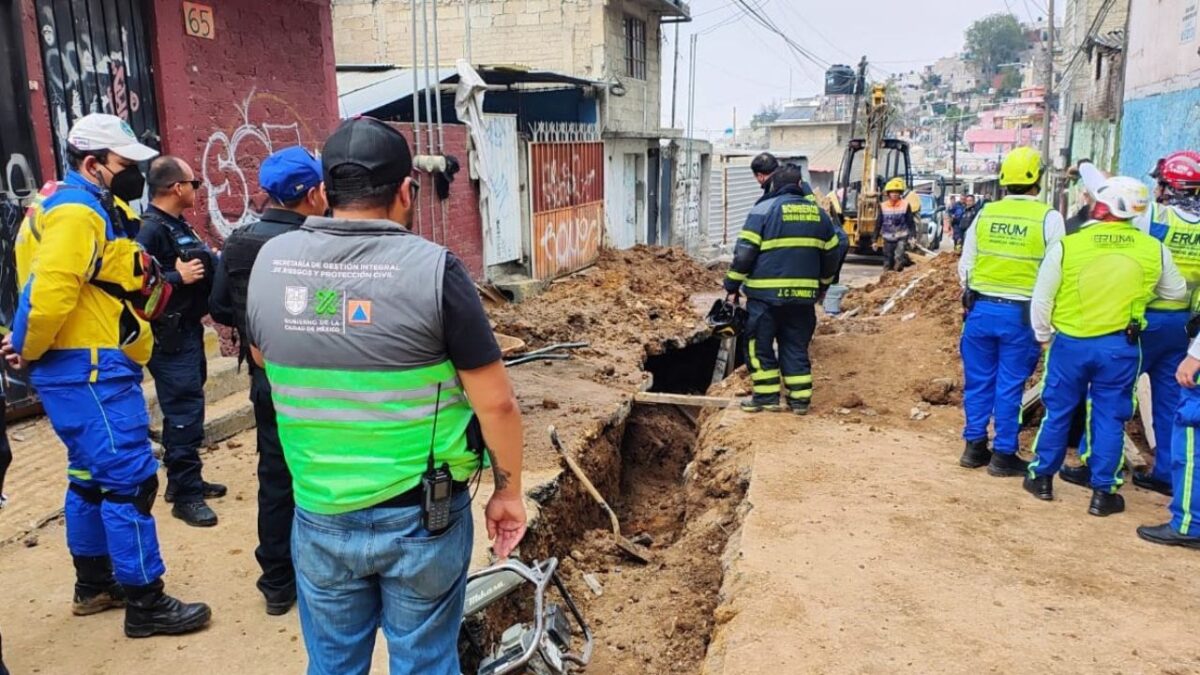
629,300
932,288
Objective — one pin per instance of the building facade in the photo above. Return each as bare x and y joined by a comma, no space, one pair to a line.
1161,108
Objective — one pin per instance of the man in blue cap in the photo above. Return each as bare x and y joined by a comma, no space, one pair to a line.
292,179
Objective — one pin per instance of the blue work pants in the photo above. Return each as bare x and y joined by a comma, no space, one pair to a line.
1185,501
999,353
179,379
791,327
1106,367
380,567
106,430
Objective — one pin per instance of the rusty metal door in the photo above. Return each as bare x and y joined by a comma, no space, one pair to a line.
567,180
96,54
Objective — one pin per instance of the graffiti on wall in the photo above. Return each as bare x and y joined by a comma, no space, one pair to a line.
502,219
688,193
568,205
229,164
18,182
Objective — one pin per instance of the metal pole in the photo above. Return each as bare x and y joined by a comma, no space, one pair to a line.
675,77
428,81
954,156
1046,116
416,87
687,231
859,85
467,21
437,55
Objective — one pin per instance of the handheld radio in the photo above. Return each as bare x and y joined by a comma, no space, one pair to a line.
437,484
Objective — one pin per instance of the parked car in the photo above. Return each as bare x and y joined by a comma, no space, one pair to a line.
931,220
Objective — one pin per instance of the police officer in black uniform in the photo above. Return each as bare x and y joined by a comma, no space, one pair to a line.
178,363
292,179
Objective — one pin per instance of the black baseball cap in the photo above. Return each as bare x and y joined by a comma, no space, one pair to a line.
368,143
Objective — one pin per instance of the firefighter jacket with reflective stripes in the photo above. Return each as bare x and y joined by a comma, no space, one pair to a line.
1010,240
1180,233
896,220
348,316
787,250
68,329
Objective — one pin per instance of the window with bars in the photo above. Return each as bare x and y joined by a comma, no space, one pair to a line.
635,48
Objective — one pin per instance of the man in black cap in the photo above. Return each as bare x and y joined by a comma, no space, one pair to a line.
292,179
382,363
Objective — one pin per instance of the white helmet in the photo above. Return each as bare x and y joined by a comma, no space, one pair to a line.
1125,197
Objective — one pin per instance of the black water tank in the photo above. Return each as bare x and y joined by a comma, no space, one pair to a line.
839,79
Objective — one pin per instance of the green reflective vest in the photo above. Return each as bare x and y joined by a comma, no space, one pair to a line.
354,439
1011,242
1182,239
1109,273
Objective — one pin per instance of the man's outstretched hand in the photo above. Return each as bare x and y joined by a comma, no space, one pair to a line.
506,521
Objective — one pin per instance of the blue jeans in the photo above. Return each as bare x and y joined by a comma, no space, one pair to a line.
358,571
999,353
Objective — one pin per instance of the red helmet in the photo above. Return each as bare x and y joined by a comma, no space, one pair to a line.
1179,170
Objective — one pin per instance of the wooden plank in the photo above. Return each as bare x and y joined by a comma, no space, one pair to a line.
683,399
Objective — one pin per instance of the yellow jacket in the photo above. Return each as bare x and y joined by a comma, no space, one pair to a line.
67,328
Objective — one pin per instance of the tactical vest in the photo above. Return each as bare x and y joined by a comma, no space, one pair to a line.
1109,273
1010,238
240,252
1182,239
348,315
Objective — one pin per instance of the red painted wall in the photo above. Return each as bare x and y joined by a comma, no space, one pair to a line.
266,82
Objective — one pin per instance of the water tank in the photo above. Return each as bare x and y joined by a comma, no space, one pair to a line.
839,80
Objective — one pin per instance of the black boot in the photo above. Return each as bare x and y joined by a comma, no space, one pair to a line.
1041,487
152,612
757,404
1007,466
976,454
1146,481
1166,535
1078,475
208,491
196,514
95,588
1105,503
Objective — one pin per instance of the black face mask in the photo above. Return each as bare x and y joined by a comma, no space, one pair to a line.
128,184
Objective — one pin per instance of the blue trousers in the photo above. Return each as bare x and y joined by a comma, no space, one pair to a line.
791,326
179,379
106,430
1106,367
380,567
1185,502
999,353
1164,346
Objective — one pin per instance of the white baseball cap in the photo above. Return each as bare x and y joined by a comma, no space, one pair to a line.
99,131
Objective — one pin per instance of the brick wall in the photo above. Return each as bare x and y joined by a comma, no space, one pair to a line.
266,82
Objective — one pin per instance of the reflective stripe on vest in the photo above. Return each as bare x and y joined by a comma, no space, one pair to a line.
1109,273
353,439
1010,238
1182,239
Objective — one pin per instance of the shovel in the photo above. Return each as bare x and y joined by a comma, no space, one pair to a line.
630,549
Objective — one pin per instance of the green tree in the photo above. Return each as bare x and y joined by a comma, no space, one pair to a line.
768,113
994,40
1010,83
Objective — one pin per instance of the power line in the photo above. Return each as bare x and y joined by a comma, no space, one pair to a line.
770,25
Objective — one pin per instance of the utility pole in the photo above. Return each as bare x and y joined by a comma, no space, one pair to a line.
1046,114
735,125
675,77
954,155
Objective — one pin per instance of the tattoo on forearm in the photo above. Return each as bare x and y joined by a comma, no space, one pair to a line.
499,475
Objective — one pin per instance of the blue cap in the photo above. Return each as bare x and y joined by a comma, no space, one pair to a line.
289,174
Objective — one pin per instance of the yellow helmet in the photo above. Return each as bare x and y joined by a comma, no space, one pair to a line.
1022,166
895,185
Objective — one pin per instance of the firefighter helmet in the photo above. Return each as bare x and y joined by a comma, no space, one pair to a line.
1179,170
727,319
895,185
1021,167
1125,197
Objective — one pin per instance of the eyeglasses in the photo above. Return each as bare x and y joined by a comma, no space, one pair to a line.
194,183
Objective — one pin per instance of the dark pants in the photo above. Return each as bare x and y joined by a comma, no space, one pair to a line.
5,449
893,254
179,380
276,506
791,326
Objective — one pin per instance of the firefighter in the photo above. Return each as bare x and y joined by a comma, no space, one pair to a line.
786,255
998,267
1090,296
81,327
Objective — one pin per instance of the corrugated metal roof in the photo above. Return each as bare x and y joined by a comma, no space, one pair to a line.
797,114
361,91
1111,41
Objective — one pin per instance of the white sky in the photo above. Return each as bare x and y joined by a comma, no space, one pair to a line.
742,64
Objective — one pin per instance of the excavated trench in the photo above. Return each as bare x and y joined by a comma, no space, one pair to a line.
670,486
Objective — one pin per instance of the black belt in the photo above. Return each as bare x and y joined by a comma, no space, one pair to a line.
415,497
1002,301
